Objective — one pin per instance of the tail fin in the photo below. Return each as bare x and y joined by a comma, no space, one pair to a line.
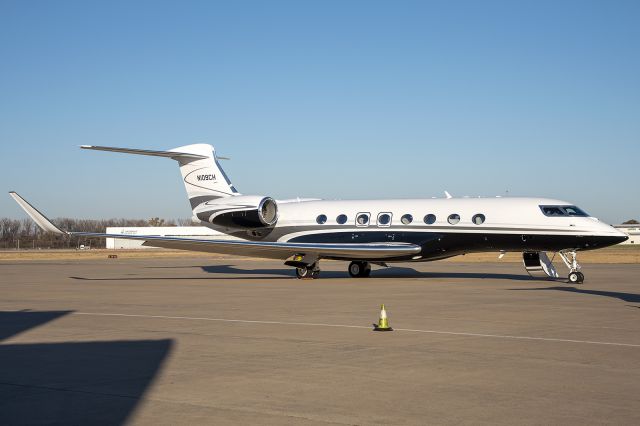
203,177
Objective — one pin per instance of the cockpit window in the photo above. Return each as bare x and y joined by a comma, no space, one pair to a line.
552,211
557,211
574,211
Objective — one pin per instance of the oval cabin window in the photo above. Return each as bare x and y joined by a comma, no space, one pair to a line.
384,219
406,219
478,219
362,219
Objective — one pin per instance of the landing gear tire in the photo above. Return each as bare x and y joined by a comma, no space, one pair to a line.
359,269
576,277
366,272
303,273
308,272
570,259
354,269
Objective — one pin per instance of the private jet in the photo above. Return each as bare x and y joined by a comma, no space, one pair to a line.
302,232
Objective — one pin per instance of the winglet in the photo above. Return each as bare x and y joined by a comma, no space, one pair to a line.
40,219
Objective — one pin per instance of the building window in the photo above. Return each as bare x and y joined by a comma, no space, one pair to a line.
430,219
453,219
321,219
406,219
478,219
384,219
342,219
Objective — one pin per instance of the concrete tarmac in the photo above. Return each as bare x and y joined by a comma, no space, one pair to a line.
230,341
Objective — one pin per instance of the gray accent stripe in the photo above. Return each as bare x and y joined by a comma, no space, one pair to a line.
196,201
279,232
409,228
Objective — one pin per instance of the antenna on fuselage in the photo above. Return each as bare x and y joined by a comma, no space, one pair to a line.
446,194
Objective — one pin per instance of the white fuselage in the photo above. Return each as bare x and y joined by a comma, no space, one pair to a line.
484,224
394,230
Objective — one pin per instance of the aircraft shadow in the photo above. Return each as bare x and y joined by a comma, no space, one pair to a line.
626,297
12,323
391,272
174,278
279,273
407,272
74,382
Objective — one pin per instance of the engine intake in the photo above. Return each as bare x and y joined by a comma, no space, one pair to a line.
244,211
268,211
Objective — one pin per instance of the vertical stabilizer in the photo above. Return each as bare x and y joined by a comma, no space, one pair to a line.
203,177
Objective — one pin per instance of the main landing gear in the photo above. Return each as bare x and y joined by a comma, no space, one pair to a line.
570,259
308,272
359,269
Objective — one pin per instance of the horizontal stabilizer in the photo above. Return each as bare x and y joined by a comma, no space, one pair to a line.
40,219
203,177
166,154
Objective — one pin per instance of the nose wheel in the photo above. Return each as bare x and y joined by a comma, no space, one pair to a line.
359,269
570,259
576,277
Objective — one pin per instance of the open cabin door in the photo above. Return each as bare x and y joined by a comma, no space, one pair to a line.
538,264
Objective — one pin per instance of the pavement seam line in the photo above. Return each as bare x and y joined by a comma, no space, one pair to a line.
409,330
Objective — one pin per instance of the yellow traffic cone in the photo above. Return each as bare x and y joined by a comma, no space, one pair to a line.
383,324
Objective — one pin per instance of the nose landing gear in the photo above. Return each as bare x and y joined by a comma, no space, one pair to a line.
576,277
570,259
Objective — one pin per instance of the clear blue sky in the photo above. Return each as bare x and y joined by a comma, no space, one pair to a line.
332,99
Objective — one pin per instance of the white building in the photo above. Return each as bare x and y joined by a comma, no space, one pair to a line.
195,232
633,231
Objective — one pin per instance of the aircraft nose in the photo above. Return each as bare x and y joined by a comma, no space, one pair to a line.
608,236
621,238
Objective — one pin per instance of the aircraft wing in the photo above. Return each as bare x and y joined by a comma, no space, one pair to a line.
271,250
263,249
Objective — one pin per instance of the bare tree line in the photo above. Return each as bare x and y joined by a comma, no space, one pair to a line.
25,234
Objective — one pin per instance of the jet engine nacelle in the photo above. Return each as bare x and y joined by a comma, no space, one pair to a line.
243,211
